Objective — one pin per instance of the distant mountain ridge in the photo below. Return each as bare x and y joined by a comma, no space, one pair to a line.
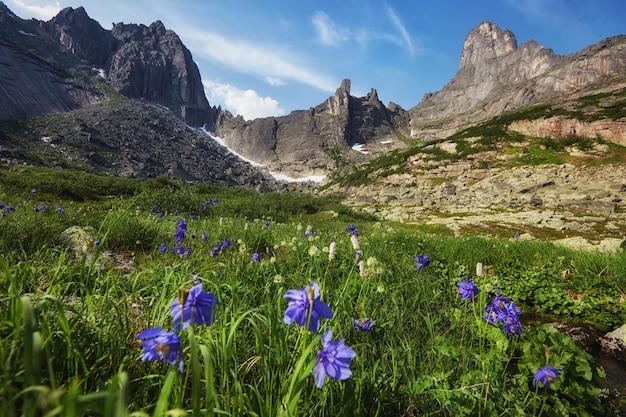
314,141
71,62
137,61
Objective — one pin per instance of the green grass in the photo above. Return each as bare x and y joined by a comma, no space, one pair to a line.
69,313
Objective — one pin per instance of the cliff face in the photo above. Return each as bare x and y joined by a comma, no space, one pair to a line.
46,67
496,76
34,74
307,142
152,63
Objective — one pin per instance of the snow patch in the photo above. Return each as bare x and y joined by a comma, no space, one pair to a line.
385,142
26,33
359,148
278,176
283,177
101,72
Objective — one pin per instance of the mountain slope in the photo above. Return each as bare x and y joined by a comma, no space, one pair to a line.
496,76
53,66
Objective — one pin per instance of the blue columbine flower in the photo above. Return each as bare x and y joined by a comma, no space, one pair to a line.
352,230
181,231
546,376
162,248
304,303
467,289
333,360
255,258
159,344
226,244
422,261
365,325
197,308
218,248
501,310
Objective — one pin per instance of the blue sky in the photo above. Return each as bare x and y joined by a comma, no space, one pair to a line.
267,58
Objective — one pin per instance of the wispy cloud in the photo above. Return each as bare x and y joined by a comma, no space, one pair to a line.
36,9
332,34
276,82
253,58
328,32
246,103
397,23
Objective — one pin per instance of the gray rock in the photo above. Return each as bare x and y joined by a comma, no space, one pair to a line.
614,343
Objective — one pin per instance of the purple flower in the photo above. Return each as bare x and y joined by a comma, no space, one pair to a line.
546,376
255,258
218,248
364,325
226,244
60,210
159,344
304,303
181,251
422,261
352,230
162,248
501,310
333,360
197,307
266,224
467,289
182,230
97,243
204,237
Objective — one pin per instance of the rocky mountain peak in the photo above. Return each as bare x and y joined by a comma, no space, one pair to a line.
338,104
152,63
83,36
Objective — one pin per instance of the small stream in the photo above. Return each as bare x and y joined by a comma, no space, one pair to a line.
615,377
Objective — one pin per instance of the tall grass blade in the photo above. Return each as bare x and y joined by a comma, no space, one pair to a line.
166,390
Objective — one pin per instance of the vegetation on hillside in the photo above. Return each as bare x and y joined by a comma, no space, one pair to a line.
493,137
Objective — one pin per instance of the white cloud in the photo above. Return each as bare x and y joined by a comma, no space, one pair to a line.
38,10
252,58
328,32
246,103
395,20
276,82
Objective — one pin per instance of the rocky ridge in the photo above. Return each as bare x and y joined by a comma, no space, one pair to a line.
496,76
71,61
134,139
314,141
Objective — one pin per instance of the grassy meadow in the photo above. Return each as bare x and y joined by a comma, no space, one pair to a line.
72,304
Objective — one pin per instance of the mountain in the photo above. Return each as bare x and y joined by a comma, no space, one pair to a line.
496,76
70,83
64,53
317,140
119,102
